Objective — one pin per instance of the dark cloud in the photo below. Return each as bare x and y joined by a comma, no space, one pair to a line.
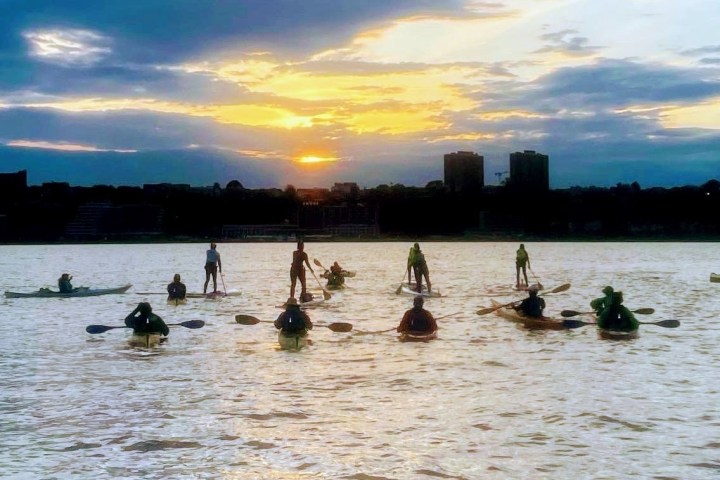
567,43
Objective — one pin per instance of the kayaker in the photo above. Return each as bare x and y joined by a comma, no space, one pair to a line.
600,304
616,316
142,320
417,320
176,289
533,305
297,270
416,260
213,265
522,261
335,278
64,284
293,320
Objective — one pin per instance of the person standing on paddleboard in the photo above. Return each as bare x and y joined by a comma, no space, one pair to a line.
522,261
212,266
416,260
297,270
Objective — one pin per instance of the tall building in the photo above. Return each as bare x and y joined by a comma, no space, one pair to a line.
464,172
529,170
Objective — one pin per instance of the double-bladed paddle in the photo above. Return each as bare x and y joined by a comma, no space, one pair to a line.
485,311
105,328
317,262
662,323
395,328
335,327
573,313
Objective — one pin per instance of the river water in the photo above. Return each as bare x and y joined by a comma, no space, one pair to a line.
488,399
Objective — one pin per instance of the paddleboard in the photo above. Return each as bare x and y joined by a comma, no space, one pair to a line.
411,289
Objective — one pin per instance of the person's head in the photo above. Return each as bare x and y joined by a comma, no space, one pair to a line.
522,246
65,276
176,277
416,246
336,264
300,245
418,301
533,290
608,290
291,302
617,298
144,308
213,245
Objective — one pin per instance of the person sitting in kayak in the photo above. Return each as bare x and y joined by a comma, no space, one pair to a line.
297,270
64,284
522,262
533,305
616,316
336,278
142,320
417,320
416,260
293,320
213,265
176,289
600,304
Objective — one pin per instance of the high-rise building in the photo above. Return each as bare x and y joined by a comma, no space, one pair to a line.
464,172
529,170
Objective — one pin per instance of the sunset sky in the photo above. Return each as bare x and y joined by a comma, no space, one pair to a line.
311,92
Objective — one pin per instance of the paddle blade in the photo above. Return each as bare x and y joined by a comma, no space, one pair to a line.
326,295
561,288
571,313
317,262
99,328
485,311
644,311
666,323
192,324
399,290
575,323
246,320
340,327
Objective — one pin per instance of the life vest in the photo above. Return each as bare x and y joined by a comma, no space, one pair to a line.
419,321
293,321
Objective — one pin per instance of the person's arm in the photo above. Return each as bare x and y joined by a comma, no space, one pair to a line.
432,322
307,262
404,323
164,329
130,319
308,322
182,290
279,321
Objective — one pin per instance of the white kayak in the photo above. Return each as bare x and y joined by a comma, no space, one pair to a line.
177,301
417,336
411,289
293,341
80,292
146,340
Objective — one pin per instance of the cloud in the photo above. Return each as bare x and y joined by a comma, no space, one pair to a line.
67,47
567,43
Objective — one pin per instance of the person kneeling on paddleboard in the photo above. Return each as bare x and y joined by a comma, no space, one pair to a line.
176,289
293,320
142,320
417,320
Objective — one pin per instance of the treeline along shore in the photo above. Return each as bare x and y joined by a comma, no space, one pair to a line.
59,212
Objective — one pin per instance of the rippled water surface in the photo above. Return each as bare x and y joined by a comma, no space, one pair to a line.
486,400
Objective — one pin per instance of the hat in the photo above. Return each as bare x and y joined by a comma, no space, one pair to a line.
533,288
291,301
64,275
418,300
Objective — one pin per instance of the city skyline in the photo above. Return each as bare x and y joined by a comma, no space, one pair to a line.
315,92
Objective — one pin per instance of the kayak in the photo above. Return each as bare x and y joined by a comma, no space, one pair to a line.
411,289
546,323
334,287
617,334
146,340
417,336
715,278
344,273
177,301
293,341
81,292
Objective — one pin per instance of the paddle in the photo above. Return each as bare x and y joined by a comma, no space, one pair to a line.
326,294
317,262
485,311
250,320
573,313
395,328
105,328
222,278
662,323
399,289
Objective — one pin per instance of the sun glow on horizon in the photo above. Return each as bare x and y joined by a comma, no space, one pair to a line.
311,159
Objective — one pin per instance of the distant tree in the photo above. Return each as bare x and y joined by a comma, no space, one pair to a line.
234,185
435,185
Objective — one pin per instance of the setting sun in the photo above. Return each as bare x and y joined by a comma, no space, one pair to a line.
316,159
